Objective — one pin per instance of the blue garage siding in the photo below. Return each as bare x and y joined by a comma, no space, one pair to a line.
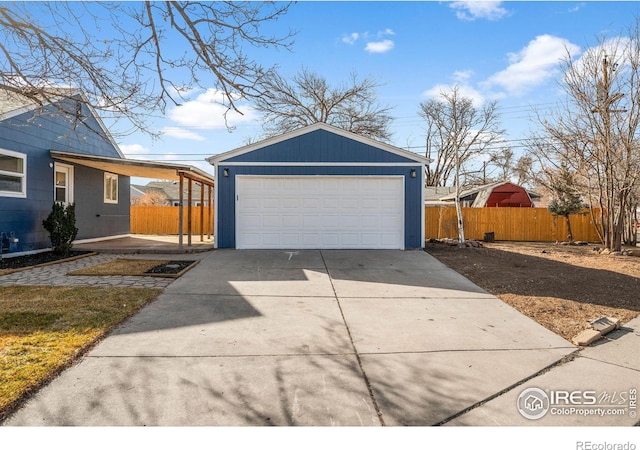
225,235
319,146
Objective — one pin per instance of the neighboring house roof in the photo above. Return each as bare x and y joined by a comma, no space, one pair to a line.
433,194
414,157
172,189
136,190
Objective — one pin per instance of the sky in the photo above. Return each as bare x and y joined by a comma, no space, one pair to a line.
503,51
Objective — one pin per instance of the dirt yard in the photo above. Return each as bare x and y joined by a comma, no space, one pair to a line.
561,287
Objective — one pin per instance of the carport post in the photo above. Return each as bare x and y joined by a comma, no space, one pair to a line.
209,217
180,211
201,211
189,210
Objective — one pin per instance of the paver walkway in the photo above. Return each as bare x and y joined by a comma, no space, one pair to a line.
56,275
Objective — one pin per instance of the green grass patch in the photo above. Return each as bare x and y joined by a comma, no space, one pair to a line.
44,329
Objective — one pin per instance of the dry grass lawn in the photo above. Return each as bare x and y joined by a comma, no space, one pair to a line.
561,287
44,329
120,267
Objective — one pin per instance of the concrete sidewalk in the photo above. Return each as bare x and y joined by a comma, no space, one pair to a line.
610,368
304,338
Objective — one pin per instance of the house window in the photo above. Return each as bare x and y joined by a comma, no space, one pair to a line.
110,188
13,174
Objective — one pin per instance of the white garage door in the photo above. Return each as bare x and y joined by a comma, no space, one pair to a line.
319,212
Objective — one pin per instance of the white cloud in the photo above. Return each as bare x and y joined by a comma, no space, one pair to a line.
532,65
206,111
375,42
472,10
379,46
465,90
350,38
172,157
134,151
576,8
462,76
181,133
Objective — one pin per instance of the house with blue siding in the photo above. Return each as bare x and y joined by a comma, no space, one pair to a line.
62,152
319,187
31,179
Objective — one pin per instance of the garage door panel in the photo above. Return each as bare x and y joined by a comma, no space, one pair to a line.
289,221
370,238
290,240
251,221
329,240
271,221
387,239
320,212
270,203
290,203
387,222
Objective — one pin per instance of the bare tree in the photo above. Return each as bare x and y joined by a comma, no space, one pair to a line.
123,58
503,164
503,160
456,131
595,134
309,99
522,170
152,197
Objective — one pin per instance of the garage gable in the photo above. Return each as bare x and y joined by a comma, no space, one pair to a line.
319,187
318,143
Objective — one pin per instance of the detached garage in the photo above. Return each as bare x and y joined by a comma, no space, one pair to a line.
319,187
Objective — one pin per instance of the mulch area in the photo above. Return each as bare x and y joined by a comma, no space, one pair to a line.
20,262
170,267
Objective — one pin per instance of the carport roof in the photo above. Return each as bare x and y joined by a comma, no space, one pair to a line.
135,168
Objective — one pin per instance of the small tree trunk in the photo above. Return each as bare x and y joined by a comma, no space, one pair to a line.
569,232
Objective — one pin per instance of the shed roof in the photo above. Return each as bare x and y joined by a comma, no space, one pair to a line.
485,188
222,157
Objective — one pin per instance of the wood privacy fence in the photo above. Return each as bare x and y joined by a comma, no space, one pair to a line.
508,224
164,220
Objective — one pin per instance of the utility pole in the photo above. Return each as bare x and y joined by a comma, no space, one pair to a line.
605,100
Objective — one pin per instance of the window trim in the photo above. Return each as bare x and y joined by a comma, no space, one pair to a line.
22,176
108,175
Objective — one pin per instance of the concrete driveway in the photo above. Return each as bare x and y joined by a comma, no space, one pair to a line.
303,338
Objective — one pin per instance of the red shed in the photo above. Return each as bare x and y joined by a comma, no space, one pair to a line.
508,195
501,194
